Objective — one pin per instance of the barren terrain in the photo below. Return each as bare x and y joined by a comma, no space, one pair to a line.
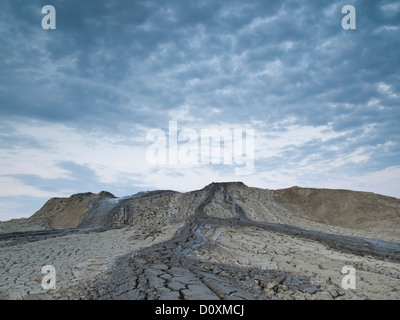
225,241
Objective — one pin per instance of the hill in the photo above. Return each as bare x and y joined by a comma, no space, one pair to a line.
224,241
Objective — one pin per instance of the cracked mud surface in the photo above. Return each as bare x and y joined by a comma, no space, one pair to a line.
202,245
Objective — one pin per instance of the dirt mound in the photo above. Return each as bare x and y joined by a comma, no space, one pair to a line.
225,241
60,213
335,211
350,209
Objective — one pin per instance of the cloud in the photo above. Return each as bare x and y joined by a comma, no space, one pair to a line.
321,99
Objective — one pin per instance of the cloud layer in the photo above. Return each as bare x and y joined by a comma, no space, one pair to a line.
76,102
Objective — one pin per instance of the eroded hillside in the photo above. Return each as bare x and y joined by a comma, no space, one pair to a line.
225,241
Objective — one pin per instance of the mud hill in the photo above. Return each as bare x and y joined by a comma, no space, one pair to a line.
67,212
225,241
57,213
369,213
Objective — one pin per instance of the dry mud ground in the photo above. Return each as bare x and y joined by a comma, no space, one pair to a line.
216,251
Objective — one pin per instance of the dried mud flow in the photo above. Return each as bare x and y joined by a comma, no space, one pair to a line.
226,241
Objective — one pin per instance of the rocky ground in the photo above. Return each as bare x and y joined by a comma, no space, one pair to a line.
225,241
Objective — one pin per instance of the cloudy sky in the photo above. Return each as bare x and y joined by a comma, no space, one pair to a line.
77,102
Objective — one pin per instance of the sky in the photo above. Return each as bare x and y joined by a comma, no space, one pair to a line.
78,102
